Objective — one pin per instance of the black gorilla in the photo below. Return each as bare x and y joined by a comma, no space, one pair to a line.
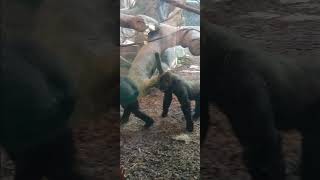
262,93
171,83
185,91
36,102
128,99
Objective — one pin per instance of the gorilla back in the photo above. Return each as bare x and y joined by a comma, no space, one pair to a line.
36,103
261,93
128,91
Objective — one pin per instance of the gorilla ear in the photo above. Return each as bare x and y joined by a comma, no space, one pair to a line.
158,62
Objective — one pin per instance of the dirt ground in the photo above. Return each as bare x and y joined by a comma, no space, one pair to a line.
153,153
285,28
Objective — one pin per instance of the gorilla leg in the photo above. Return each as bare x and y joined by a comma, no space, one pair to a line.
263,157
186,109
167,99
196,114
126,115
205,121
53,160
311,146
135,109
254,126
310,156
261,144
62,162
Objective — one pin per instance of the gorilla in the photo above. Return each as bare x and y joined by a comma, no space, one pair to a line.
37,97
261,93
37,100
129,101
171,83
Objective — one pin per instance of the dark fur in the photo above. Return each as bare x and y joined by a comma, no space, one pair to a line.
129,89
36,102
171,83
262,93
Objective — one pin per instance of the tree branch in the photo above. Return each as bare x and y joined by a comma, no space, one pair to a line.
139,23
183,6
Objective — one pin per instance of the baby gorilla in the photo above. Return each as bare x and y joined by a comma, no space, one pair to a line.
128,100
171,83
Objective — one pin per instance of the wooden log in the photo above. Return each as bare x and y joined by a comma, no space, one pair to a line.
139,23
183,6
